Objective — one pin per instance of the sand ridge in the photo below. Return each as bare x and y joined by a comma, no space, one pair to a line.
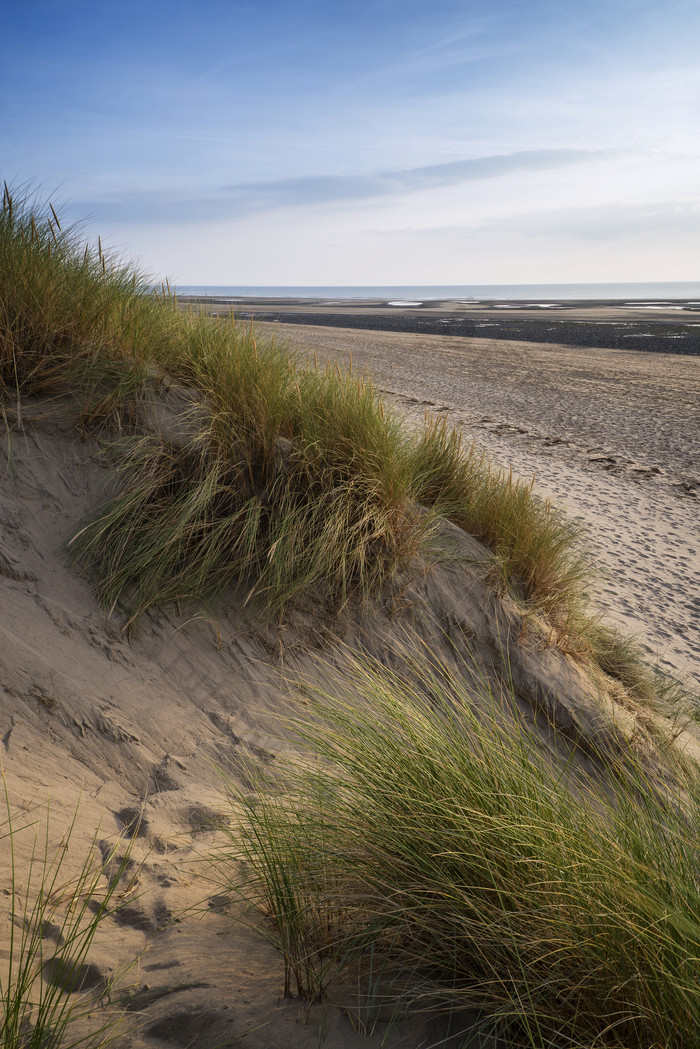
612,435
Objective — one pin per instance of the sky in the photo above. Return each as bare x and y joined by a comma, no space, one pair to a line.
356,142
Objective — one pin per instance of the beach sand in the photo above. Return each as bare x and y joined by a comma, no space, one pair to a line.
612,435
133,727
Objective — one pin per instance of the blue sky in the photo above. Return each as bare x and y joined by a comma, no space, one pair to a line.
394,142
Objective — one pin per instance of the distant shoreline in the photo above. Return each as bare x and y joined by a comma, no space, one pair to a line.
669,327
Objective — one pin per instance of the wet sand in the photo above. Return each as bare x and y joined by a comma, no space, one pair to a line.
669,327
613,435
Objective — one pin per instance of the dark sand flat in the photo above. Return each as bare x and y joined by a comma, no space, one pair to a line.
673,327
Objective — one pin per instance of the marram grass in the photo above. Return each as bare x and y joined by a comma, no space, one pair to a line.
534,542
264,472
50,997
427,834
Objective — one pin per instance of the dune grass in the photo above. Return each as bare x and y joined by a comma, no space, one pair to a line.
426,832
49,996
63,303
266,472
533,540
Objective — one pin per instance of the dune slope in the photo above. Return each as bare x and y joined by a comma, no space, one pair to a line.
133,726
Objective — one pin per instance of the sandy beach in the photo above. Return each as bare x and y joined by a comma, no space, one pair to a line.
613,435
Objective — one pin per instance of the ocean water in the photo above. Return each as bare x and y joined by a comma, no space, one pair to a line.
647,292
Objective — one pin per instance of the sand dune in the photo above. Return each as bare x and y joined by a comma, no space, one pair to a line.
134,727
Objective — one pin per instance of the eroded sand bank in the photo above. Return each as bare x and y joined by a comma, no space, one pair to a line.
613,435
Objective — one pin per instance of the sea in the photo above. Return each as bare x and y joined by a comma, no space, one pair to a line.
648,292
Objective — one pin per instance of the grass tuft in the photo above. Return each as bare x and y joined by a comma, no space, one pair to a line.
535,544
50,996
427,832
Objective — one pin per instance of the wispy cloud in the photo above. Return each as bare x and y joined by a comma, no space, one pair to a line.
438,175
246,197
